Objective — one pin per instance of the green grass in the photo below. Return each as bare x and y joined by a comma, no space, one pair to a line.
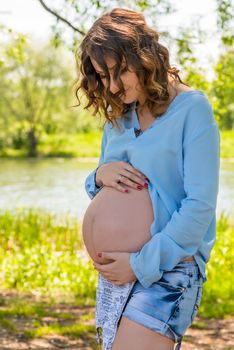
78,145
27,316
76,330
63,145
20,308
218,295
43,256
227,144
8,325
88,145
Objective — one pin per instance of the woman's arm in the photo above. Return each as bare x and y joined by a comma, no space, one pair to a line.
184,233
90,186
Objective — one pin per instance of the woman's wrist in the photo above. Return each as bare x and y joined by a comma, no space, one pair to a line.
97,180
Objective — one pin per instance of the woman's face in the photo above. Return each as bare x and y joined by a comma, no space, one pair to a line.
133,91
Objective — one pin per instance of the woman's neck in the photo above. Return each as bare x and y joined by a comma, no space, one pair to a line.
145,112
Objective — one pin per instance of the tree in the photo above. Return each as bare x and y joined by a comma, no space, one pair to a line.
35,91
225,21
223,90
76,16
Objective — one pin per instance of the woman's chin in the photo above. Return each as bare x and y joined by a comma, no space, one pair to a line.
128,99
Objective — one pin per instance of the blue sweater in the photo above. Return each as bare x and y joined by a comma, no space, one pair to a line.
179,153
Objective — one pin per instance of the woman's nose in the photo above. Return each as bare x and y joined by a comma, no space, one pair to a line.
113,86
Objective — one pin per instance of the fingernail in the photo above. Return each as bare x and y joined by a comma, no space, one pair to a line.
145,185
147,179
139,187
100,255
126,191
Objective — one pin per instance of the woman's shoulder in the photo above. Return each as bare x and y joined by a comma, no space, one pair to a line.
191,93
199,114
189,102
192,98
199,107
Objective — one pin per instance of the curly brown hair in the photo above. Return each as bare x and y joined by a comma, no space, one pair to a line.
123,35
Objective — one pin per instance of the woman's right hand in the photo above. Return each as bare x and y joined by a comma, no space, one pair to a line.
116,173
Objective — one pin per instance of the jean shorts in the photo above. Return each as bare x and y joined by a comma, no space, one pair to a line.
167,307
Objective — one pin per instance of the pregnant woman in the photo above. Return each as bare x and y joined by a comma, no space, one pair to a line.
150,226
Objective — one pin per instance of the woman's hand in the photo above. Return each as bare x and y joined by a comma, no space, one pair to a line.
116,173
118,271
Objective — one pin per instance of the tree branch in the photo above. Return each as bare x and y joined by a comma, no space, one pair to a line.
60,18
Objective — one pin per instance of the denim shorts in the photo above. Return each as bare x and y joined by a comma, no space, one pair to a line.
169,305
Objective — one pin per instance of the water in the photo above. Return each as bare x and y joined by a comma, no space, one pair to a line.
57,185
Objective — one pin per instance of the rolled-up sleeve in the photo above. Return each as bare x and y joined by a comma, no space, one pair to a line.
183,234
90,185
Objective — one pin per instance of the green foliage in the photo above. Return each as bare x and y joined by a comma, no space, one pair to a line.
73,18
222,90
42,255
63,145
76,330
225,21
39,254
194,77
36,91
37,116
218,296
36,96
4,323
27,316
192,73
17,52
227,144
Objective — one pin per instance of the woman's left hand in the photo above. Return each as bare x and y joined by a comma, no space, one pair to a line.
119,271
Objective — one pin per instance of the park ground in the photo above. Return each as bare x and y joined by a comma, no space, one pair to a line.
65,325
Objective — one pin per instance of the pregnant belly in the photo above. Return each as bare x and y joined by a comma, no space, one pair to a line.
116,221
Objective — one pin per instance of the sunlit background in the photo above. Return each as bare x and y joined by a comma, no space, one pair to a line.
48,147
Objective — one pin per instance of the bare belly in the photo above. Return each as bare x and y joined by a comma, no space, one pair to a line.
116,221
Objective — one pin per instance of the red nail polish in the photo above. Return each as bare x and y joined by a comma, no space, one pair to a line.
126,191
139,187
100,255
145,185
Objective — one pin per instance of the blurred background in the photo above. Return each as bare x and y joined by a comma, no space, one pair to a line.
48,147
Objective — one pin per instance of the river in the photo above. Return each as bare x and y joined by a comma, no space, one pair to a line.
57,185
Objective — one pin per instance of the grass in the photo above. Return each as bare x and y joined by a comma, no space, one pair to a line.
48,282
218,295
227,144
44,256
26,316
76,330
80,145
38,254
88,144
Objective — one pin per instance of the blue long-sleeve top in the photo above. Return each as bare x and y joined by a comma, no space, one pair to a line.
180,154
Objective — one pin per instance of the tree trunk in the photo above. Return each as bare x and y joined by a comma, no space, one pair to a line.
32,143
